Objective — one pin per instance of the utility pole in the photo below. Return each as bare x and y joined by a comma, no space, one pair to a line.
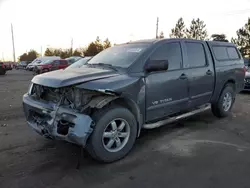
2,56
13,44
157,24
71,46
41,51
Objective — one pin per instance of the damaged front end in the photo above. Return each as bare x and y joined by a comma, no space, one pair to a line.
63,113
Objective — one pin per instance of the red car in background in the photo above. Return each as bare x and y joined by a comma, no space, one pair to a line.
51,65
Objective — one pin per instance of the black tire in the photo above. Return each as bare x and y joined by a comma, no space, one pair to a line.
217,108
102,118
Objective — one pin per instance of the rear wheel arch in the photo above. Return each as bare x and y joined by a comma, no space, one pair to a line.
219,90
232,82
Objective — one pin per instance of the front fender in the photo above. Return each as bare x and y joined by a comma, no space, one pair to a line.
129,91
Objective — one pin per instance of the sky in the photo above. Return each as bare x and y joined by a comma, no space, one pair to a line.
39,24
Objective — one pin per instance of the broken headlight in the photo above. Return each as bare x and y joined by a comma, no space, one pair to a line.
78,97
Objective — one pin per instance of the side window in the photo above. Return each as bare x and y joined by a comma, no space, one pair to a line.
196,55
232,53
57,62
62,62
170,52
220,52
225,53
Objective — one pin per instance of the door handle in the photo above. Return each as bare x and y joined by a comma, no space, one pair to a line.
183,76
209,72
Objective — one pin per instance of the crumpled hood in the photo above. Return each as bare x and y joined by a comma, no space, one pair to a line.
62,78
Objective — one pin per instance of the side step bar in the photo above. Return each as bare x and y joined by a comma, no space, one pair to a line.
176,118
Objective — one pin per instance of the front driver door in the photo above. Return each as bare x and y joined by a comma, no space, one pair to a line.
166,91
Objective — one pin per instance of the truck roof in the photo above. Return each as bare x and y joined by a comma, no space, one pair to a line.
217,43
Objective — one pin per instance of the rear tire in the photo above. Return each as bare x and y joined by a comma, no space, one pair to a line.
106,145
222,108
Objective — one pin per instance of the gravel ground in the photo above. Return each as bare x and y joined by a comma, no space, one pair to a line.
202,151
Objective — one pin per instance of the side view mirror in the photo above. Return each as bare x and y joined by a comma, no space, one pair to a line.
156,65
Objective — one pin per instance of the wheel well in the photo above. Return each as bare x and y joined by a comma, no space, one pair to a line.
105,100
231,81
132,106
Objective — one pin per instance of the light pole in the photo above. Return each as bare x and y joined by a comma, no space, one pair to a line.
13,44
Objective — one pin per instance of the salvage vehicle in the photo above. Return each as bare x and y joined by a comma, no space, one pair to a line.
2,69
73,59
80,62
22,65
103,105
38,60
8,66
51,65
247,81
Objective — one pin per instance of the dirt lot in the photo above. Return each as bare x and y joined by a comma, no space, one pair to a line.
201,152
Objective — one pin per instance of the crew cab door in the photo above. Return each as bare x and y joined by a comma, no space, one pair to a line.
166,91
199,69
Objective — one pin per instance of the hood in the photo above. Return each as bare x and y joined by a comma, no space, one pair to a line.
117,84
62,78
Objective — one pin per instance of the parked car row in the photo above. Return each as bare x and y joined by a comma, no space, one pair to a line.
55,63
50,63
4,66
22,64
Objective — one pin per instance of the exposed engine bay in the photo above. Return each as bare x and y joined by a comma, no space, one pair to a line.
70,97
63,113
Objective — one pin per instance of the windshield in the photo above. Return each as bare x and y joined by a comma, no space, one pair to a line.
120,56
23,63
79,63
73,59
37,62
46,62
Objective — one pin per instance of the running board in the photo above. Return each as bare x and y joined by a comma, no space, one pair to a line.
176,118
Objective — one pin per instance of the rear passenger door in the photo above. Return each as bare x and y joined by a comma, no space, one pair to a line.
166,91
199,70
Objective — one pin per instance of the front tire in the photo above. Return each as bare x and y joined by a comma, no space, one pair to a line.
222,108
114,134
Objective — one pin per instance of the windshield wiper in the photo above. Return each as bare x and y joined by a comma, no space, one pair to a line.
106,65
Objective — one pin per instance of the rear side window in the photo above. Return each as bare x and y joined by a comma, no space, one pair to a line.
232,53
225,53
220,53
56,62
170,52
196,55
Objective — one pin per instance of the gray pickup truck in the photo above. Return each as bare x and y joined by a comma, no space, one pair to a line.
103,105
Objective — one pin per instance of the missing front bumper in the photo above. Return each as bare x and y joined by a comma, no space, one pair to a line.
58,123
